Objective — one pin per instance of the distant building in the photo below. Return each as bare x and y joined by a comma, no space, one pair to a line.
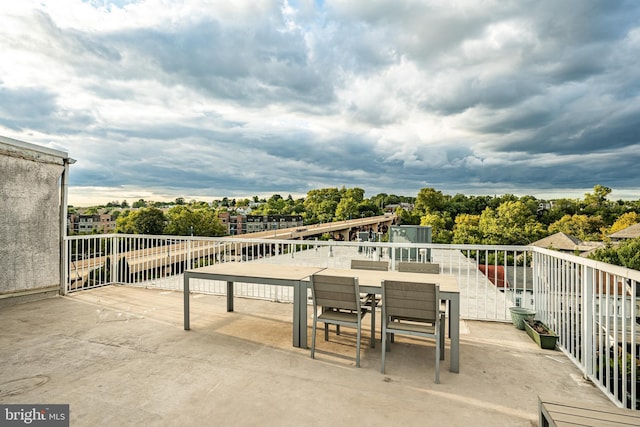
392,208
86,224
631,232
243,224
565,243
544,206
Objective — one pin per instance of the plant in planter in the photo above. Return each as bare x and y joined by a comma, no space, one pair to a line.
541,334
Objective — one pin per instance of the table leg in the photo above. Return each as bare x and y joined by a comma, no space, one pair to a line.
454,332
186,301
303,313
229,296
300,315
373,321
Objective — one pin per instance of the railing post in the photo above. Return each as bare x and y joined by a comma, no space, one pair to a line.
588,342
187,265
66,243
114,260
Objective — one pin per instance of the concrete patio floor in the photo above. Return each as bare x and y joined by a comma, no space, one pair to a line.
119,356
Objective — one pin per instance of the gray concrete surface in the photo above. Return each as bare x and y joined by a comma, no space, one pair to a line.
120,357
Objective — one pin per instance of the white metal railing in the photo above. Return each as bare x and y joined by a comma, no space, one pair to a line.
592,306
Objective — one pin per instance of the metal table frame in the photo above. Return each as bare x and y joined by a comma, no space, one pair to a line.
267,274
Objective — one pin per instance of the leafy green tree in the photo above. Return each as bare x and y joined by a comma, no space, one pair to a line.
626,254
355,193
142,221
439,230
368,208
321,204
430,200
558,209
149,221
625,220
466,229
185,220
275,205
347,209
598,198
581,226
511,224
139,204
124,222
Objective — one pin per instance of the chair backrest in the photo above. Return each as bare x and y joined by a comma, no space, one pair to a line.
363,264
335,292
420,301
419,267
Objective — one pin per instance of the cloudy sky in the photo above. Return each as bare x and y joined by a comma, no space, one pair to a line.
159,99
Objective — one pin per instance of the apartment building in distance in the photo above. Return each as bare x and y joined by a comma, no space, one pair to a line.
243,224
86,224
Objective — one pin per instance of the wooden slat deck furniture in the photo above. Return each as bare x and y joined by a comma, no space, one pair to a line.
567,413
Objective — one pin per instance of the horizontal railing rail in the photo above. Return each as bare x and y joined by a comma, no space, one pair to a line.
593,307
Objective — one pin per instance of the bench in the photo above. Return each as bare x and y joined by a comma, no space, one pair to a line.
566,413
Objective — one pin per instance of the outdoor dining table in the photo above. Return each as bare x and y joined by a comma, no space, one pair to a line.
298,277
370,281
267,274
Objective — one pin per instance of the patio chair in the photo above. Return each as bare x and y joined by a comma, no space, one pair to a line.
427,268
364,264
339,298
370,301
419,267
410,308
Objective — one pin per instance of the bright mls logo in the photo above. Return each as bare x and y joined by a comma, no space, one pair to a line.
34,415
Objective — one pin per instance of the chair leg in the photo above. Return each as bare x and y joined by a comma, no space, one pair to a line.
384,344
437,361
326,332
358,334
373,324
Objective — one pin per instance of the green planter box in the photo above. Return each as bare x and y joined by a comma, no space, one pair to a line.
546,340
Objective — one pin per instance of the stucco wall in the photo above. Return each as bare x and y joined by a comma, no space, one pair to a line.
29,224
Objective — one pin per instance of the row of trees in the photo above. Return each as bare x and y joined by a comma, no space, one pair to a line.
506,219
197,219
516,220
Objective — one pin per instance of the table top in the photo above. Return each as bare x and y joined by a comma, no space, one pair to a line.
256,270
372,278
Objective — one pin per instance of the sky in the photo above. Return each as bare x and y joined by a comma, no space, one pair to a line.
201,99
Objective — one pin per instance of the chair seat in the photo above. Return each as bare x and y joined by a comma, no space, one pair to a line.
423,328
341,316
